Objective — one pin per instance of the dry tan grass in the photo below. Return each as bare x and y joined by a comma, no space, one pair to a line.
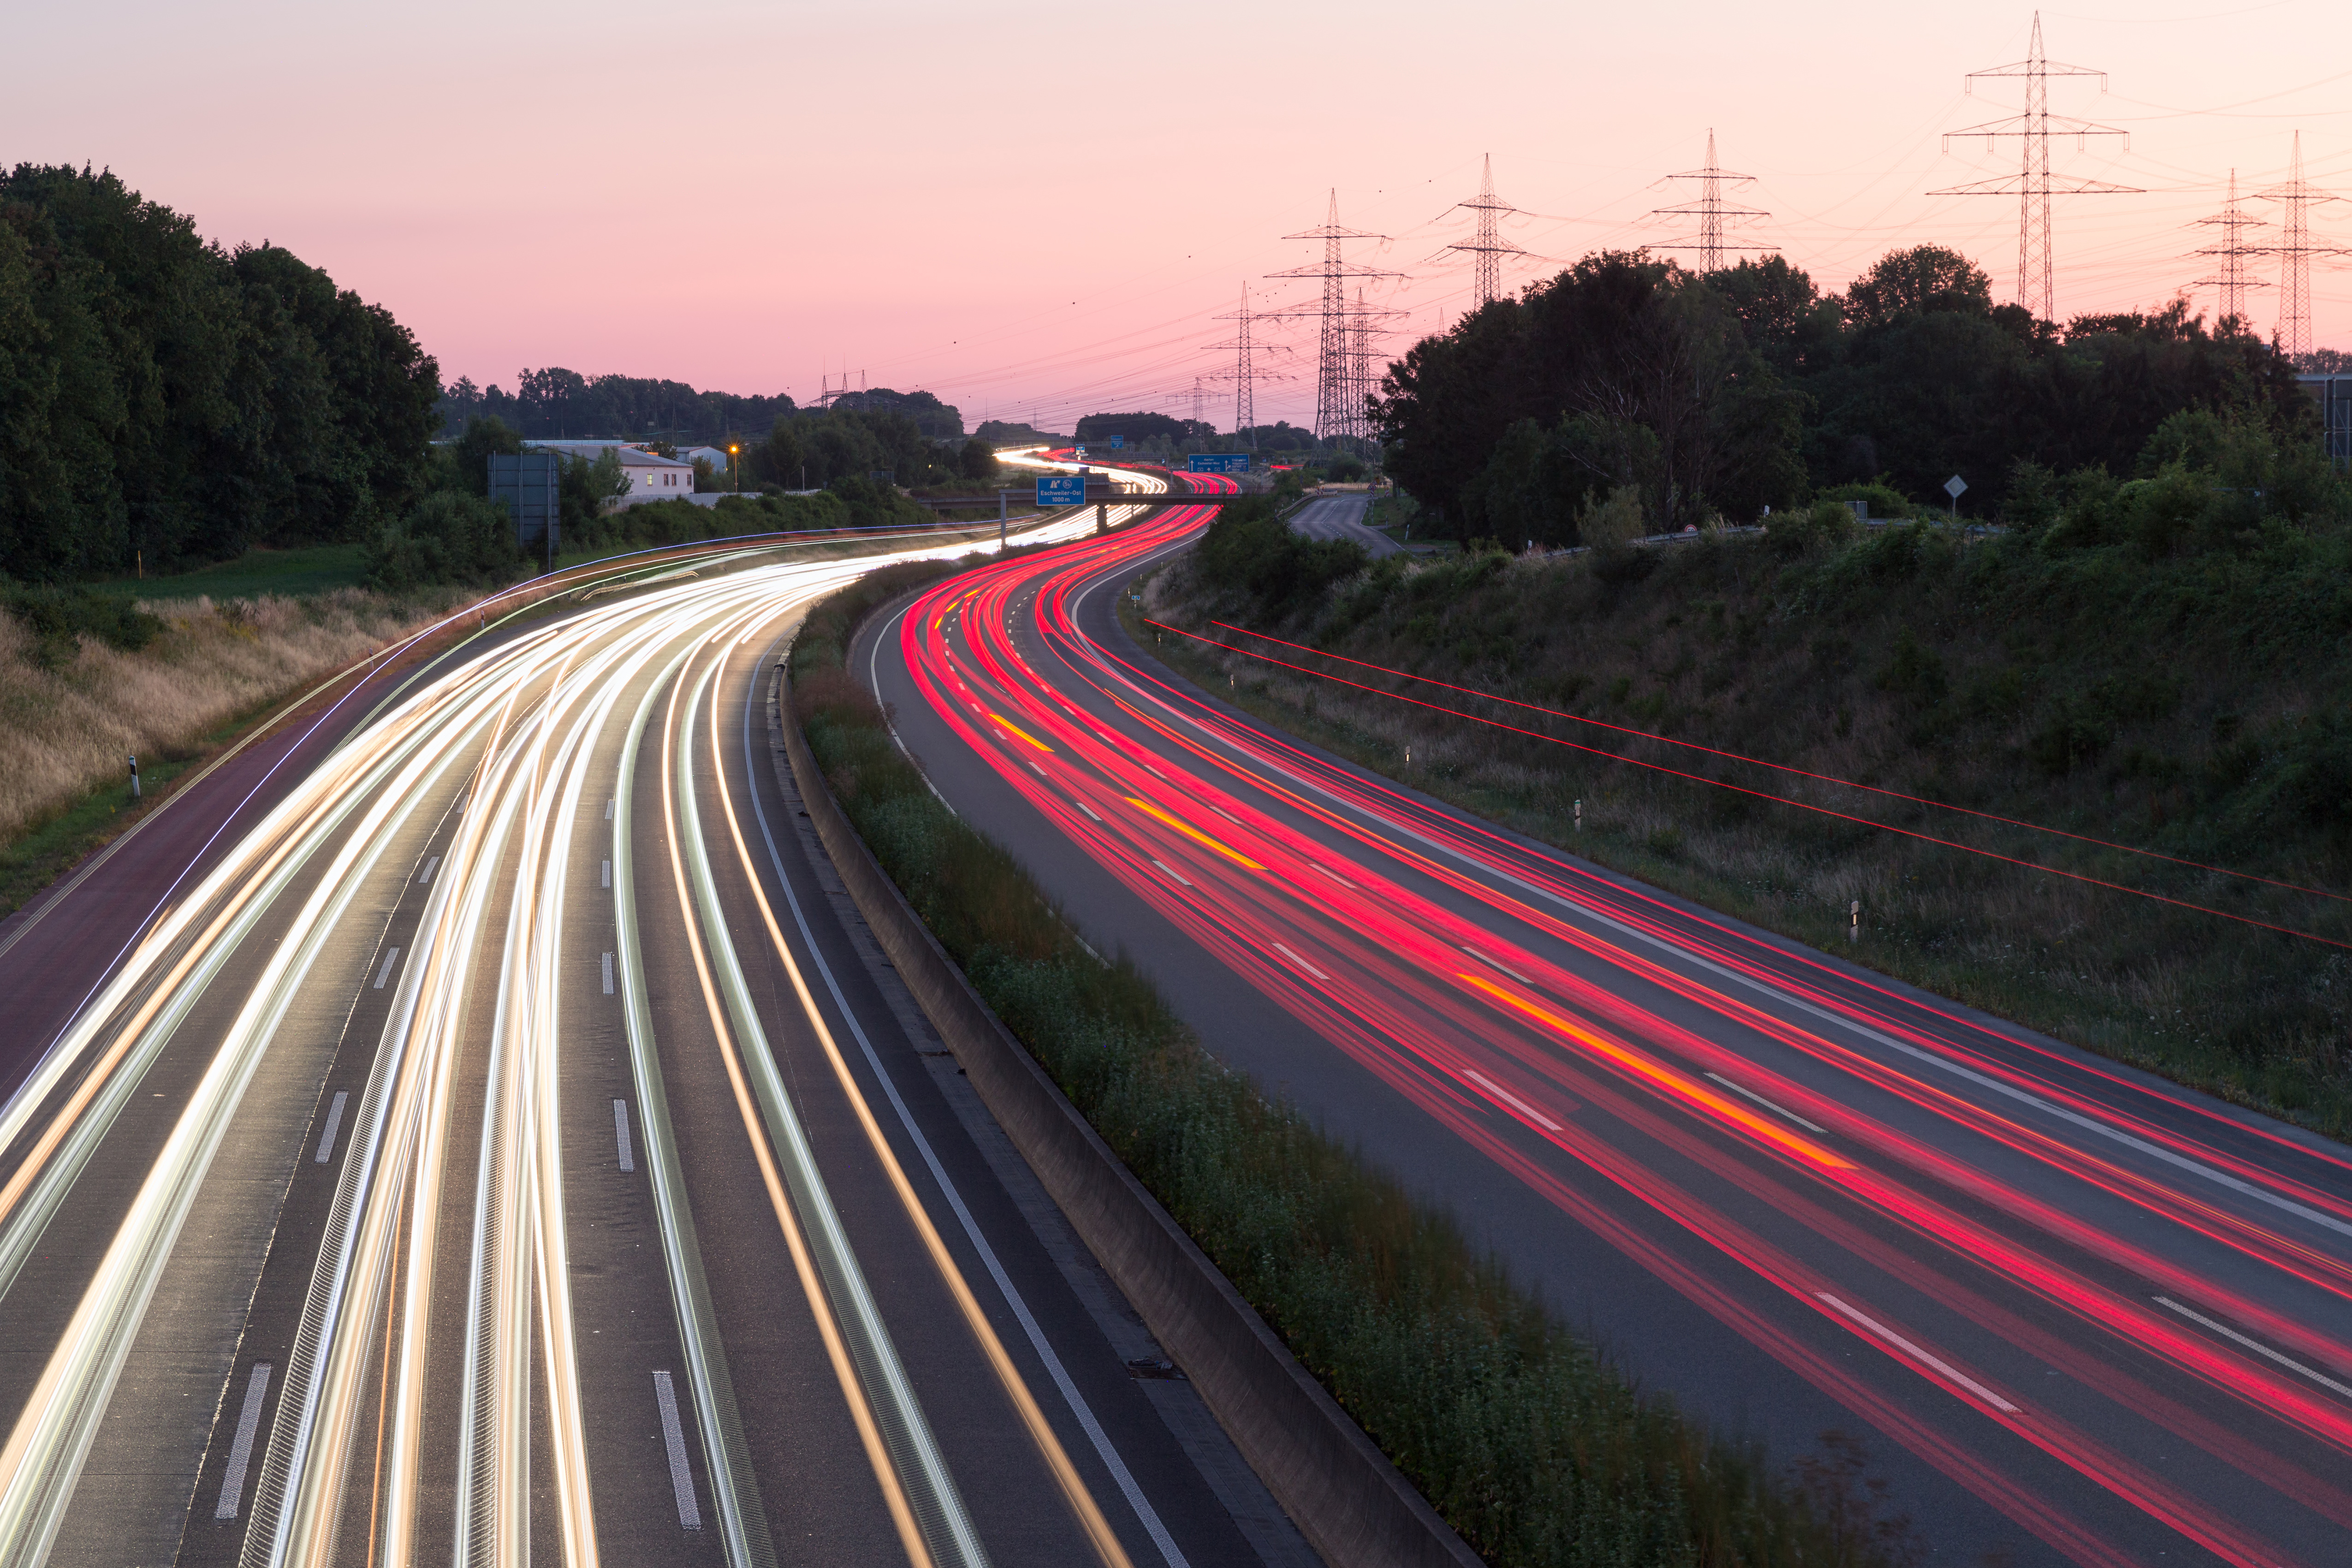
67,728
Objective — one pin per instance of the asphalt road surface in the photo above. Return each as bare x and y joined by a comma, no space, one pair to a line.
1342,517
2071,1312
473,1126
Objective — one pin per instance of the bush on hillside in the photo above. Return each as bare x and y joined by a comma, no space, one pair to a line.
448,537
1251,552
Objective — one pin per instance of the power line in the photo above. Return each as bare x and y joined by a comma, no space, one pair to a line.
2036,285
1709,210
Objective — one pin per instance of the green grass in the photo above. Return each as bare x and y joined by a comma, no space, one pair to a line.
314,569
1534,1449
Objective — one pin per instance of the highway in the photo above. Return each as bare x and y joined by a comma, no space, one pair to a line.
471,1127
1342,517
2074,1313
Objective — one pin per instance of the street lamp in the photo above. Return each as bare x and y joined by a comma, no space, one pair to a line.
732,450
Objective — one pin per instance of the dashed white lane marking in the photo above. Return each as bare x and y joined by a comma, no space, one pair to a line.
1173,874
427,875
2255,1345
1769,1105
1926,1358
240,1449
681,1479
390,958
334,1120
1090,810
1513,1100
608,974
1492,964
1300,962
608,811
608,873
1039,772
621,1135
1339,879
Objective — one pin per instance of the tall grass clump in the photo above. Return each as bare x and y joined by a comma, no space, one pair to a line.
1536,1451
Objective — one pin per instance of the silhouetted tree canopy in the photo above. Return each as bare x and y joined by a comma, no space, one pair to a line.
1749,387
161,394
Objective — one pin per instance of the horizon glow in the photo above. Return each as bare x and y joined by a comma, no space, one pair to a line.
1041,207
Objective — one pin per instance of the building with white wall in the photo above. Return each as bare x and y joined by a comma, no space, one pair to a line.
650,477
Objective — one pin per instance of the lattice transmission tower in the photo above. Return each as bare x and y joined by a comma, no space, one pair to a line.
2295,251
2031,184
1335,417
2233,279
1245,374
1488,247
1710,210
1363,380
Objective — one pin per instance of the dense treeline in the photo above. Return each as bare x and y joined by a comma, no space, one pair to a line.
1628,379
553,404
848,445
166,399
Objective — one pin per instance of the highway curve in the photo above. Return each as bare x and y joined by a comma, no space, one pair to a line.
470,1130
2076,1313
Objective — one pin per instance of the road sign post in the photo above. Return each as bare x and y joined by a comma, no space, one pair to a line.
1952,488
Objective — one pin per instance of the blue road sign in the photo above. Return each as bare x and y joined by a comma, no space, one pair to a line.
1217,463
1117,443
1061,489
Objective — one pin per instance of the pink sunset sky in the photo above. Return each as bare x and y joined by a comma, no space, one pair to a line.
1044,204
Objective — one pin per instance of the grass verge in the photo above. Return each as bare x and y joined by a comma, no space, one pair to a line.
1535,1449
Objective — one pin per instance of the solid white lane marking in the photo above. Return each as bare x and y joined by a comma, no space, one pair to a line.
2255,1345
621,1135
240,1449
1300,962
334,1120
1171,873
1090,810
426,876
1337,878
1492,964
1513,1100
608,974
681,1478
608,873
1781,1109
1926,1358
390,958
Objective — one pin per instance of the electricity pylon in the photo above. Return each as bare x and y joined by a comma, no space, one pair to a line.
1245,375
2295,251
1489,247
2235,279
2036,285
1709,210
1334,419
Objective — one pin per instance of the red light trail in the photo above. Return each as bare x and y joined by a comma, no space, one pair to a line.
1924,1197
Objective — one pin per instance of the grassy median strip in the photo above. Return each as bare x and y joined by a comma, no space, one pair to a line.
1535,1449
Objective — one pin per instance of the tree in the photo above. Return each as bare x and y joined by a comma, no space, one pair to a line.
1922,278
976,460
